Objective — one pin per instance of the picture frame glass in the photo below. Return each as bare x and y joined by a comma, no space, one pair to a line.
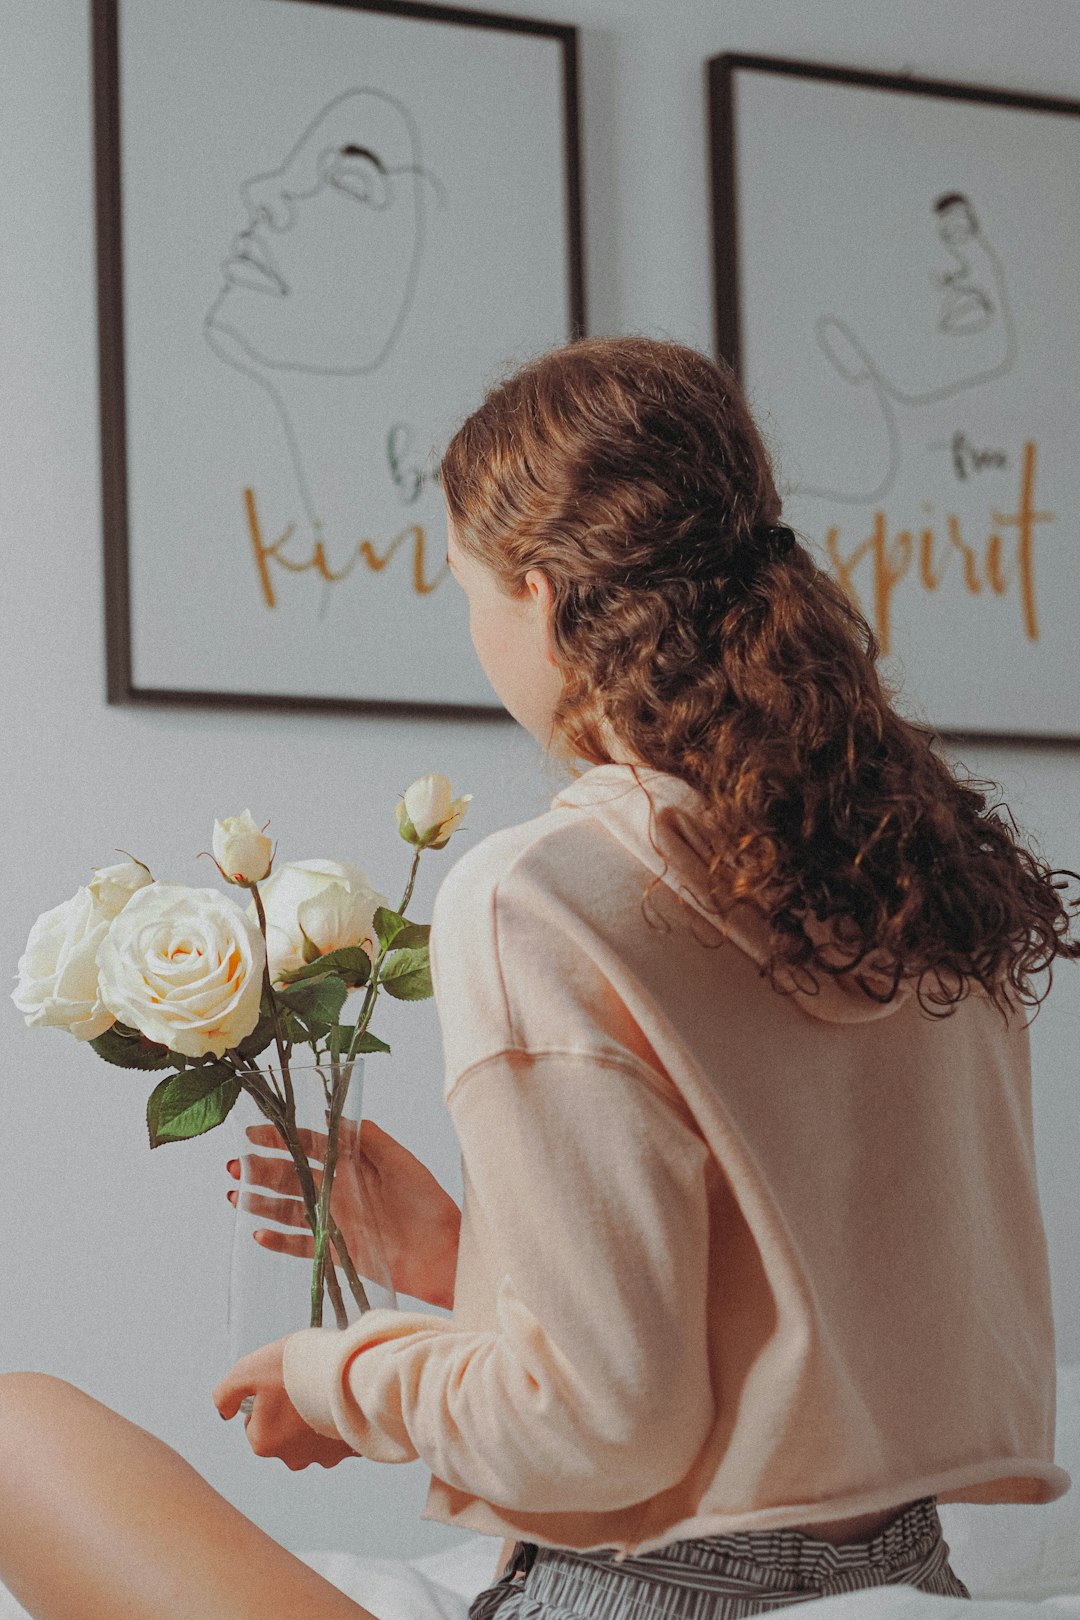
337,226
907,327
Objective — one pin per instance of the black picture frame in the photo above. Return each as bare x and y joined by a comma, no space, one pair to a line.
744,290
122,683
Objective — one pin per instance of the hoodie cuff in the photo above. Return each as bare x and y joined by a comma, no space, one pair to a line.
311,1362
317,1371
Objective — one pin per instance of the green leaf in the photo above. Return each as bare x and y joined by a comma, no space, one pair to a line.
350,963
130,1050
316,1001
296,1033
186,1105
371,1043
411,935
333,1045
259,1039
367,1042
407,975
388,925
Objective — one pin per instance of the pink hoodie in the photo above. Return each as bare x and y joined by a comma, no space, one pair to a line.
729,1259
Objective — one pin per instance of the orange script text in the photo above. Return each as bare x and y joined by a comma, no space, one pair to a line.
892,558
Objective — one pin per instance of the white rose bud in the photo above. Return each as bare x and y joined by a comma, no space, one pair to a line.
113,886
242,850
331,902
338,916
184,967
427,813
58,971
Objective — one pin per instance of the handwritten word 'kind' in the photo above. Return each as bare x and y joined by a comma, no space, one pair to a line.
276,554
892,558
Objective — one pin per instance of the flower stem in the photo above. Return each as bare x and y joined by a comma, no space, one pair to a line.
338,1092
270,1105
317,1203
356,1287
320,1275
407,896
328,1228
268,991
372,991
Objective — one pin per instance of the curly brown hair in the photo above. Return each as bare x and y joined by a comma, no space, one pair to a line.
630,470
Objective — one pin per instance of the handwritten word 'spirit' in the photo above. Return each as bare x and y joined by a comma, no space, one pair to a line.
281,553
891,558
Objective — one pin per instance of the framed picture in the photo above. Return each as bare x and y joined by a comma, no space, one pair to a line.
896,283
324,227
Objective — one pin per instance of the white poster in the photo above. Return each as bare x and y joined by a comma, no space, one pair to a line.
899,279
324,229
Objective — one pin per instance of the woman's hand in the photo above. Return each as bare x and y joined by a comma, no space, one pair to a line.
418,1220
274,1427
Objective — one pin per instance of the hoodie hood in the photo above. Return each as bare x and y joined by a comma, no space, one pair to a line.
616,795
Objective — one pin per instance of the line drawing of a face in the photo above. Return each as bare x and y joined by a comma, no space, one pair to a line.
968,305
320,280
321,277
898,343
922,350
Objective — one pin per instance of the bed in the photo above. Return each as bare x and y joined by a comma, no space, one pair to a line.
1020,1563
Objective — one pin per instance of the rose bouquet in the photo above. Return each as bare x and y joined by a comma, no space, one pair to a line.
159,976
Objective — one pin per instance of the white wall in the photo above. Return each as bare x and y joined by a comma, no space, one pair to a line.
115,1259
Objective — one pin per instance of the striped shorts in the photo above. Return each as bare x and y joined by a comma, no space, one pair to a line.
720,1577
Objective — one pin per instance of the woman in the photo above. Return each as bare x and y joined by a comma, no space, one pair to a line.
750,1270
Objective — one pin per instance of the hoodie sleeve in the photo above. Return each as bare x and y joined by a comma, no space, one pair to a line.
585,1206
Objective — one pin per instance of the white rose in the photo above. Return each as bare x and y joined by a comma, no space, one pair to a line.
58,971
113,886
338,916
427,813
184,967
242,850
332,902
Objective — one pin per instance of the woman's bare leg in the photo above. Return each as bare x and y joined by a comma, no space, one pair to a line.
100,1520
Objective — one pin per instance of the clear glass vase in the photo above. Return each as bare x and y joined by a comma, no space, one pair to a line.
318,1262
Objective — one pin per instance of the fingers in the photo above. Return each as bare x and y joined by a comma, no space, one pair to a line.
275,1432
274,1428
264,1427
369,1139
302,1245
227,1404
258,1374
286,1211
230,1392
294,1243
285,1243
379,1143
277,1174
312,1142
382,1150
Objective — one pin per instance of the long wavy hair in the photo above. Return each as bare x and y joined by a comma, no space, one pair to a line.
631,472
